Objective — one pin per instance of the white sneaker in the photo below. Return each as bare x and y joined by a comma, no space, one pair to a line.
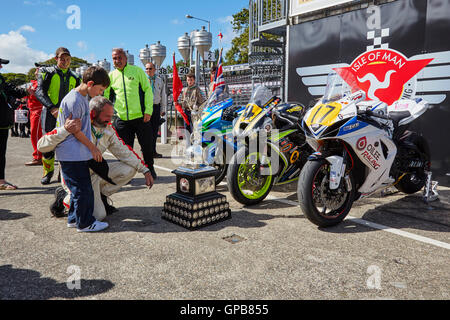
95,226
72,225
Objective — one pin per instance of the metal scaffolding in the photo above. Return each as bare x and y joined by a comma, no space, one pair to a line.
267,41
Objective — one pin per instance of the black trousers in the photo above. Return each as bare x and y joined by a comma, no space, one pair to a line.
3,143
156,116
48,123
128,130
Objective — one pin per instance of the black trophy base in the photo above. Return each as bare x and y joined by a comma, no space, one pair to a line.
196,212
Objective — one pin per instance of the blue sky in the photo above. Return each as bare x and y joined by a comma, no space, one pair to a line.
31,30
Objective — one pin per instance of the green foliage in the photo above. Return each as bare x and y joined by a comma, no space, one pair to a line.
75,62
20,78
16,79
179,63
239,45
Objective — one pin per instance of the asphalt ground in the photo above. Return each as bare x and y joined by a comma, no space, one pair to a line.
394,247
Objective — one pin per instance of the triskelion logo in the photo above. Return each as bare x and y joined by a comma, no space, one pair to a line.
385,75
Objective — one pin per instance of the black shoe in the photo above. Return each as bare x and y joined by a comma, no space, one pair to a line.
57,207
157,155
14,134
47,178
108,208
153,173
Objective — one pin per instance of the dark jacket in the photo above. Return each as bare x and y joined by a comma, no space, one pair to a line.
6,112
53,85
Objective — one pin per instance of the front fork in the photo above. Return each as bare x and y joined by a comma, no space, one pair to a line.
337,172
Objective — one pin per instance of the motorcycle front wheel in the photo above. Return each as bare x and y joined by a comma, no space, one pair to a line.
321,205
245,183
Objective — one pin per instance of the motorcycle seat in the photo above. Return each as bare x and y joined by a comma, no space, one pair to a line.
397,116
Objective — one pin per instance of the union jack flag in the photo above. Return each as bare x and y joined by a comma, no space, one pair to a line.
219,81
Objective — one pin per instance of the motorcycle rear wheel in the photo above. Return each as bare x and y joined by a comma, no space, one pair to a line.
415,181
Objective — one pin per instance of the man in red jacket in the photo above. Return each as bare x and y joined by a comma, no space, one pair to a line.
35,108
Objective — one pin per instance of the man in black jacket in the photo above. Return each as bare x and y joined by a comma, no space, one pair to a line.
53,84
6,122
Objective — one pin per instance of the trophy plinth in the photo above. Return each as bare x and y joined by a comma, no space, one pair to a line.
196,203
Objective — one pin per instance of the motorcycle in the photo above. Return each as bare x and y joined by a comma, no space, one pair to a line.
217,123
362,146
271,147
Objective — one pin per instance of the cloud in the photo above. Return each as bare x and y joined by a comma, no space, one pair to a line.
224,26
177,22
14,47
223,20
26,28
82,45
91,58
38,3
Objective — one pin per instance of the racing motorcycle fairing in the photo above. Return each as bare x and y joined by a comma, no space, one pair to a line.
367,127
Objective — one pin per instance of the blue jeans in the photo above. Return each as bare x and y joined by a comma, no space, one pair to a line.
78,179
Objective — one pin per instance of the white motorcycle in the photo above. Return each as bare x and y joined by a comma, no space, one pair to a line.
362,146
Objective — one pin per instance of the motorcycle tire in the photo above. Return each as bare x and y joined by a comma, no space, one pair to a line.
234,176
222,173
414,182
306,189
221,168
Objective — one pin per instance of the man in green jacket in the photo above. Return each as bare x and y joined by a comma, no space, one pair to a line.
53,84
132,95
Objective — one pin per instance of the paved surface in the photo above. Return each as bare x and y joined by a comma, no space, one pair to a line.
395,247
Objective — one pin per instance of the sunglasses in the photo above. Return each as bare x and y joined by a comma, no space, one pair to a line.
149,68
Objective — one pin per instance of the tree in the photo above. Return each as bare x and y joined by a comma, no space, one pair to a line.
179,63
24,78
16,79
239,45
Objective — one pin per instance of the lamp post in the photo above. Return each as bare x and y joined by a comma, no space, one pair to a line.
209,23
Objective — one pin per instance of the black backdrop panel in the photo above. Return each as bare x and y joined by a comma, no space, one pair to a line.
412,27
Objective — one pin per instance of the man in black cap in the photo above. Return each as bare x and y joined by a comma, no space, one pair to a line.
6,122
54,83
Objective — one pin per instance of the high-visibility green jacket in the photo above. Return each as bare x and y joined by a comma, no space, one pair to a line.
131,93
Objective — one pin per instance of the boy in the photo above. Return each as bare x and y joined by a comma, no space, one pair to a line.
190,97
76,150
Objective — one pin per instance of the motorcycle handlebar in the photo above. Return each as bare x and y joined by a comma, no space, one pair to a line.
286,118
374,114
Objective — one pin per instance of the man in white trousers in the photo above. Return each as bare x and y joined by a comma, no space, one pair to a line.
105,138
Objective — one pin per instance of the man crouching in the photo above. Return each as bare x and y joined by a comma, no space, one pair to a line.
105,138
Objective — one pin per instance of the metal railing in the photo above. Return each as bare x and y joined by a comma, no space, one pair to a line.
265,12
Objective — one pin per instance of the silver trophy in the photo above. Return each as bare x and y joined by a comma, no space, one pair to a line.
196,203
194,153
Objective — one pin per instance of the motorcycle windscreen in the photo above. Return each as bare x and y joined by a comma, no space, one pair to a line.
251,112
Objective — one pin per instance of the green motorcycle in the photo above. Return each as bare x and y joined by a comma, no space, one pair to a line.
271,147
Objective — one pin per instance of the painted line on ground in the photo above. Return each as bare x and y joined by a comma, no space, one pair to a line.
378,226
362,222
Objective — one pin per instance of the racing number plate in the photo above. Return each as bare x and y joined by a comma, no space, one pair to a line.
324,114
